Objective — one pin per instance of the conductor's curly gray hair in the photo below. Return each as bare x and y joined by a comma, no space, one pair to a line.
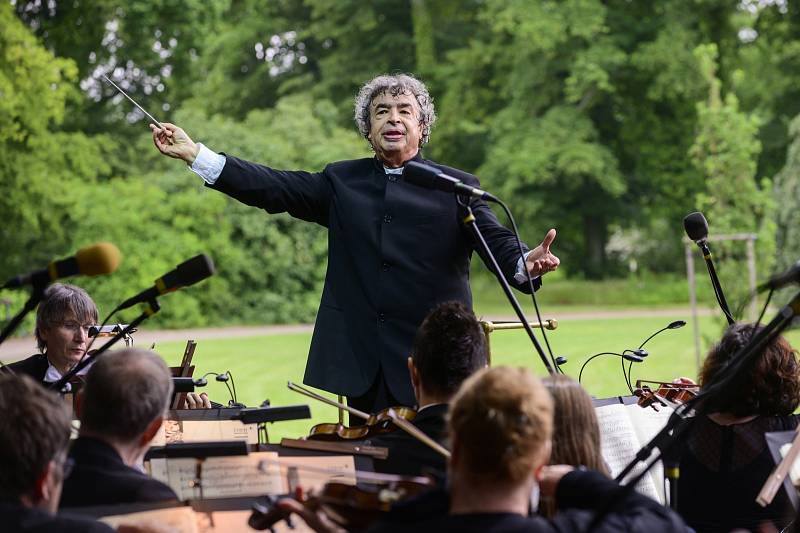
395,84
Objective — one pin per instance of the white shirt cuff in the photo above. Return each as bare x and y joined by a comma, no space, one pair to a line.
520,276
208,165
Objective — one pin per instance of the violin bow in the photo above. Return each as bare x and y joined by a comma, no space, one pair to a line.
396,419
302,390
415,432
361,475
775,479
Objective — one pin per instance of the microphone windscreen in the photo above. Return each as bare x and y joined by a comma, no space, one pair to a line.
98,259
696,226
633,358
195,269
420,174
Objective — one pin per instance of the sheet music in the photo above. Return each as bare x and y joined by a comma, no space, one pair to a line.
338,468
173,431
619,441
182,519
220,476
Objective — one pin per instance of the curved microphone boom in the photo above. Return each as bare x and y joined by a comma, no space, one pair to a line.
627,355
677,324
430,177
95,260
187,273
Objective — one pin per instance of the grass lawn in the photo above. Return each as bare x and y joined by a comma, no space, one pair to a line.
262,365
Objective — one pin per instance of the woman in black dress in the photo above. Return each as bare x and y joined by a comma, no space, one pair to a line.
726,459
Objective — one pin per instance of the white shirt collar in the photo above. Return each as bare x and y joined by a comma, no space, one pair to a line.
52,375
392,170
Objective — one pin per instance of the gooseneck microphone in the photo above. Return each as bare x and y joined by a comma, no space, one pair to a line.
187,273
627,355
94,260
696,227
677,324
430,177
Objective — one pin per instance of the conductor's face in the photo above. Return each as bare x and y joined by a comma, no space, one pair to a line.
395,129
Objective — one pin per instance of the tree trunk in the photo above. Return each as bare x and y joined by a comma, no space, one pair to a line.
595,235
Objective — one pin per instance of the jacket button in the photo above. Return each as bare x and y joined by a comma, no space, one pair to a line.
384,266
387,219
382,317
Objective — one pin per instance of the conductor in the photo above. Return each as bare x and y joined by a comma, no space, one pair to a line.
395,250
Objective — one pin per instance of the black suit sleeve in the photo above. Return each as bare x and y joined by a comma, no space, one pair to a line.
582,491
503,245
304,195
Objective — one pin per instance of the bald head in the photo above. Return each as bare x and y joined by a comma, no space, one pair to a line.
125,392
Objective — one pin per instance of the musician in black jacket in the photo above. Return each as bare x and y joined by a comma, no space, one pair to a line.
121,409
63,319
449,347
394,250
501,423
34,434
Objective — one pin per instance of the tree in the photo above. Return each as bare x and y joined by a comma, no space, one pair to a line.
43,172
725,152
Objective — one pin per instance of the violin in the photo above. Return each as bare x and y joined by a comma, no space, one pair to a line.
666,395
374,424
351,507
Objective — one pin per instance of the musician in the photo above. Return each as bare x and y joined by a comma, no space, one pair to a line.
34,435
121,409
501,423
395,250
726,460
63,319
576,432
449,347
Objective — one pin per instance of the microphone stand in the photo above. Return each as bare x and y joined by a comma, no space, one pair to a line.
471,223
152,308
36,296
712,272
680,422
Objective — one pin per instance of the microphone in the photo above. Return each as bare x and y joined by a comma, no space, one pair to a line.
187,273
696,226
779,281
628,355
430,177
94,260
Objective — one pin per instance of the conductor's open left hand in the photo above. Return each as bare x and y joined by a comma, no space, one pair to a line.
541,260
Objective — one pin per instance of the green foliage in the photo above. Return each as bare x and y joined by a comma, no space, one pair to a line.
41,170
786,195
582,114
725,152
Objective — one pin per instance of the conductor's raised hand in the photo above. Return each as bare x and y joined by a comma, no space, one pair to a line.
173,142
541,260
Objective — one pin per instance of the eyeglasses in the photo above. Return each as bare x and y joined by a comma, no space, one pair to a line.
74,326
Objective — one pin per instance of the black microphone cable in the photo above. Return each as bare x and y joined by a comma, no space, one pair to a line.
556,366
634,358
677,324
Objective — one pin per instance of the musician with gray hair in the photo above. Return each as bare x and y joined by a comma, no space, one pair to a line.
395,250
